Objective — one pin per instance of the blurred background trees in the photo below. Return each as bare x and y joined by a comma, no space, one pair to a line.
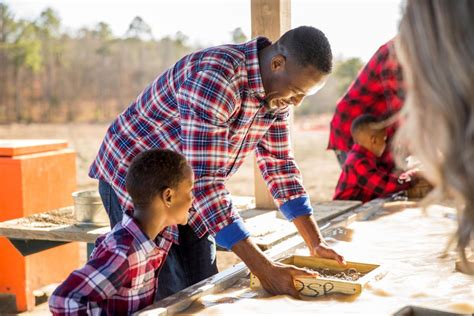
51,74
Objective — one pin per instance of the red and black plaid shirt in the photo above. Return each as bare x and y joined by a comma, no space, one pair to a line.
210,107
362,179
120,278
378,90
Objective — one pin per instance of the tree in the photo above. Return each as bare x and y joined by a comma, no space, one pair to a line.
26,55
238,36
325,101
51,75
139,29
8,28
49,25
103,33
346,71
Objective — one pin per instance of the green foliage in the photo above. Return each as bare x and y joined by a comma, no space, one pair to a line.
49,23
49,75
238,36
325,100
26,49
346,72
139,29
7,24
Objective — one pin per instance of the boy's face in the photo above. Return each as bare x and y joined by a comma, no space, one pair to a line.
174,203
182,199
379,142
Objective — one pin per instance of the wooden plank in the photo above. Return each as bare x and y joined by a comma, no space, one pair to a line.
38,227
269,228
324,211
320,286
60,225
369,209
270,18
16,147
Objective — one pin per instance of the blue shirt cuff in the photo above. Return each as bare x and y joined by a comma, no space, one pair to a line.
297,207
228,236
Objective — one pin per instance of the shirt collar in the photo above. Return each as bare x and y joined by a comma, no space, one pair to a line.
364,151
253,67
130,224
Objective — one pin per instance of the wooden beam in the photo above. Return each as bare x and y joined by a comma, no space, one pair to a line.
270,18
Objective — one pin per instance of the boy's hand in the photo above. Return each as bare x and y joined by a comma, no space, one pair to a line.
409,175
324,251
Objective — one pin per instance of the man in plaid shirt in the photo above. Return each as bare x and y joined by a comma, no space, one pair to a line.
362,178
377,90
216,106
121,276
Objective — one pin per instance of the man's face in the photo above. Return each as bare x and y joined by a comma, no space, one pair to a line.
290,82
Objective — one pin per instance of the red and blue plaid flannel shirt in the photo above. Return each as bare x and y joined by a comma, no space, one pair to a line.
377,90
210,107
362,179
121,276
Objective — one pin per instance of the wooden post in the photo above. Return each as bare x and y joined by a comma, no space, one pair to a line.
270,18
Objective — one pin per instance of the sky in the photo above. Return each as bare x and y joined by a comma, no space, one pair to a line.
354,28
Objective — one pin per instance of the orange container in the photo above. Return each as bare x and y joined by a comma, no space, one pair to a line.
35,176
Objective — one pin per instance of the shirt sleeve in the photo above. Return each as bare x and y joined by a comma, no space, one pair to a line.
207,101
279,170
378,180
98,280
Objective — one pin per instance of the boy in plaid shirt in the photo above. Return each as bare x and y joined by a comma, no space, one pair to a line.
362,177
121,276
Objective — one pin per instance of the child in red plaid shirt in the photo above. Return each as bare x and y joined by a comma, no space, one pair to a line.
121,276
362,178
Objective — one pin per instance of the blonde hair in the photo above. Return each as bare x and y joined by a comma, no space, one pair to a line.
436,49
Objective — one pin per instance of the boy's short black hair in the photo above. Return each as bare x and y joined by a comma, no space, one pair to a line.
364,123
309,46
153,171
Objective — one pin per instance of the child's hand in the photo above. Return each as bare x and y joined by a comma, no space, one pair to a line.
409,175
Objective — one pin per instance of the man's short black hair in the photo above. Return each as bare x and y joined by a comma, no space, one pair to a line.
364,123
153,171
309,46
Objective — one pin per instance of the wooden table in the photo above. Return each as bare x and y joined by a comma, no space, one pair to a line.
335,216
46,230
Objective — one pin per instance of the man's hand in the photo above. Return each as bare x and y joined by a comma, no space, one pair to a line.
280,279
309,230
324,251
276,278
